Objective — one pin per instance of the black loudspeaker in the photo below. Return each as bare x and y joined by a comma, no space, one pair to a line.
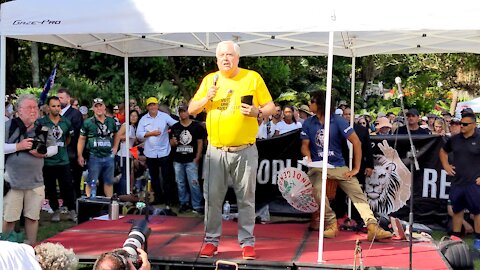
457,253
90,208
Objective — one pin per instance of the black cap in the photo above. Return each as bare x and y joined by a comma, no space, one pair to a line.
466,110
183,108
412,111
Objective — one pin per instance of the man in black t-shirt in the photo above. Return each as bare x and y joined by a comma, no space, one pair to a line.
413,118
465,189
187,139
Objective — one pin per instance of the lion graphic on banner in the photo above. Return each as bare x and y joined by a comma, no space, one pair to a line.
388,188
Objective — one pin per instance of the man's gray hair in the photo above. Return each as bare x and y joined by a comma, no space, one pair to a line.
235,46
24,97
55,257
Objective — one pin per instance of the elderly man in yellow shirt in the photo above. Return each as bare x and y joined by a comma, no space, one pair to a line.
233,98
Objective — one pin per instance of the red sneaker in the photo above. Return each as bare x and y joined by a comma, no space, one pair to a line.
208,251
248,253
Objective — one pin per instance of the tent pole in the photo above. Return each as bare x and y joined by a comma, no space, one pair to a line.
325,143
127,125
352,119
3,71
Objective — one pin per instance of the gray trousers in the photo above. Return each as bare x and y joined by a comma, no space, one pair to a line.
241,167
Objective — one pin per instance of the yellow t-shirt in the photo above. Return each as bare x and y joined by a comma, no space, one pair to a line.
226,125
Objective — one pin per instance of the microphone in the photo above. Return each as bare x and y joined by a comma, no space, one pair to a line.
398,81
215,79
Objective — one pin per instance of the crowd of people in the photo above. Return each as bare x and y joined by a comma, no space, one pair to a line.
66,141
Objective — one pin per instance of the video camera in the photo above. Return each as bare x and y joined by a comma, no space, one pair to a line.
40,139
137,236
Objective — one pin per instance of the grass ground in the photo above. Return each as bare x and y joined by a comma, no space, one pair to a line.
48,229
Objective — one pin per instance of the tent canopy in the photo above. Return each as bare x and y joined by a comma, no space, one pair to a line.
177,28
473,104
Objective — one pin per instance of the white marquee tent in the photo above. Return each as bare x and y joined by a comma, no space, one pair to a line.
133,28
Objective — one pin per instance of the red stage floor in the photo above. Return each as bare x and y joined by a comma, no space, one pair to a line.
177,241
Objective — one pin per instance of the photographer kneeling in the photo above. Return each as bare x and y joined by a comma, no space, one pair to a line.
119,259
27,145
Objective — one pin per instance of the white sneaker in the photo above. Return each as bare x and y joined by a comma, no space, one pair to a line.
72,215
56,216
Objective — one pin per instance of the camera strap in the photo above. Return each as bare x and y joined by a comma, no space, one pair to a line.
15,124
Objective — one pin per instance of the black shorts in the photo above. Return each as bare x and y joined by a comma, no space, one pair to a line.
465,197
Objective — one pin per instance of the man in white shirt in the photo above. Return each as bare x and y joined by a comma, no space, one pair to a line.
266,128
153,129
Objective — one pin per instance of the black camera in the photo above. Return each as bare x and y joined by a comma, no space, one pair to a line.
137,236
40,139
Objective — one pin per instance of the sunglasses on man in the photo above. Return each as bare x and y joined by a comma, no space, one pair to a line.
464,124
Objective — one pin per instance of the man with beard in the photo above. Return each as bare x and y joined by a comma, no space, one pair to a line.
23,168
58,167
76,119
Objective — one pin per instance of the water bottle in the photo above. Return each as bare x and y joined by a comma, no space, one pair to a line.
113,211
93,189
226,210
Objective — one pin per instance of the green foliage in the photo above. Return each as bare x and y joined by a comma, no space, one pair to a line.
29,90
289,79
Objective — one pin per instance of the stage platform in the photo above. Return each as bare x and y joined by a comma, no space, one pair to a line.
176,241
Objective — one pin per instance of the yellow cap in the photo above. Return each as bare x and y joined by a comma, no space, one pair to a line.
151,100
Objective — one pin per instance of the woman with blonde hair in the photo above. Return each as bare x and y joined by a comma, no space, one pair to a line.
439,127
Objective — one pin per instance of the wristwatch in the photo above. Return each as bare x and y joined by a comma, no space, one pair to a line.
259,113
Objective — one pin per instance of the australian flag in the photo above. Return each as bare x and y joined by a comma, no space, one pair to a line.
47,87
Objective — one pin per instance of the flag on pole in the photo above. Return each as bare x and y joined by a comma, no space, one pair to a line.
47,87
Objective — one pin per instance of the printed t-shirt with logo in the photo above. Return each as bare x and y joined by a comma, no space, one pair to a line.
99,136
59,133
313,130
187,137
226,125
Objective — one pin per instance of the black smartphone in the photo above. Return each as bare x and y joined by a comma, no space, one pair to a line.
248,99
226,265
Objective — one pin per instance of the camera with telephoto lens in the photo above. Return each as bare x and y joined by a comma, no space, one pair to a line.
137,236
39,142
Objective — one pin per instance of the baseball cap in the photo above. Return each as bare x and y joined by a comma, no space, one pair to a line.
342,102
98,101
183,107
83,109
466,110
306,109
115,107
424,118
151,100
412,111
